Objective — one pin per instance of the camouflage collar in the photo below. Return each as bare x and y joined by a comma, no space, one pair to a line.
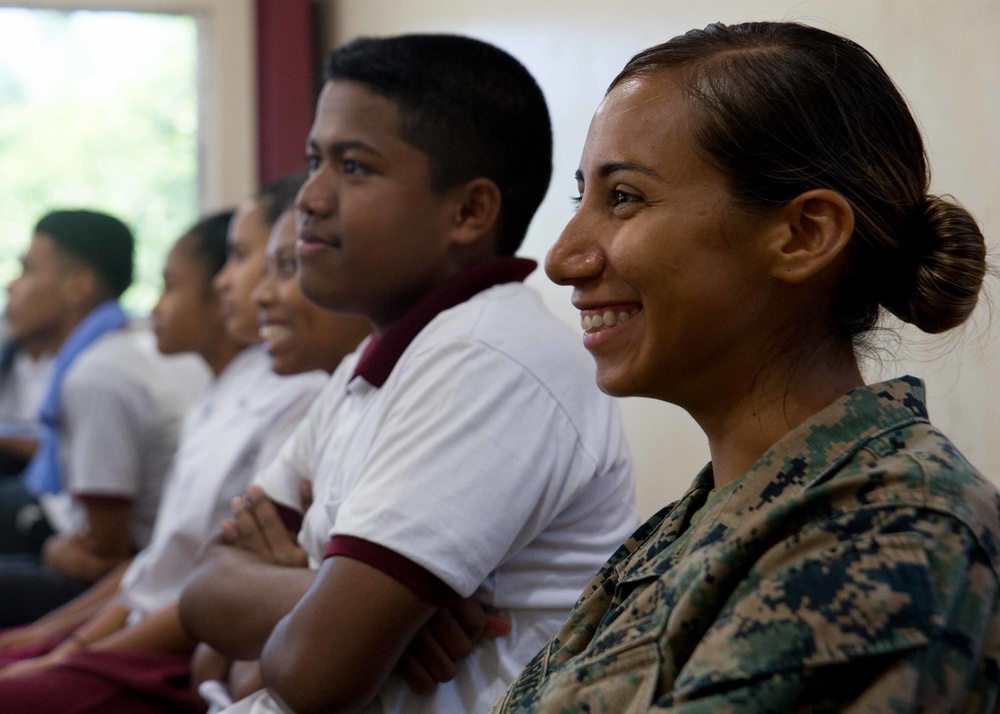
806,456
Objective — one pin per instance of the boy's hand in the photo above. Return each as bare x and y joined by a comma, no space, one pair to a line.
38,664
208,663
306,494
74,555
23,637
447,638
245,678
30,666
257,527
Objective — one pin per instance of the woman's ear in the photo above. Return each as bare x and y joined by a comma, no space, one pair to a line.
476,211
815,228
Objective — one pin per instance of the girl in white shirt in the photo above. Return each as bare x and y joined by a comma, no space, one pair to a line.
134,650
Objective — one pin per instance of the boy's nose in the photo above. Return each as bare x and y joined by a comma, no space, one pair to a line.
316,197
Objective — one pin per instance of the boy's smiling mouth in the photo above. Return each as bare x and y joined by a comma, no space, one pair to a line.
312,238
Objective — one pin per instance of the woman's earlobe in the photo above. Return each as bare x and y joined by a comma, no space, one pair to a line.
817,226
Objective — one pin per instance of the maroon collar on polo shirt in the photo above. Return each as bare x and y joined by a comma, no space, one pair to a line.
382,353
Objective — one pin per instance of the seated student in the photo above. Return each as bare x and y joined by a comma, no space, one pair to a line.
134,655
88,498
185,319
298,336
25,368
463,450
752,197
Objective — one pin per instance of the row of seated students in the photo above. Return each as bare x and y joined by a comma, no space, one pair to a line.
751,197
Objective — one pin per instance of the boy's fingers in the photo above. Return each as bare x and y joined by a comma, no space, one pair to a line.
449,635
249,533
416,677
306,494
282,547
471,616
229,533
496,626
271,526
432,656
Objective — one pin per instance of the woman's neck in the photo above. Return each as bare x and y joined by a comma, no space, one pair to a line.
743,424
220,354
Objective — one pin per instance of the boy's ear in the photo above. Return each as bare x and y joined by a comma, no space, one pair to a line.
813,230
79,286
476,210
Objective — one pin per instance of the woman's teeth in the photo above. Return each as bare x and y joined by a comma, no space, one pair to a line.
608,318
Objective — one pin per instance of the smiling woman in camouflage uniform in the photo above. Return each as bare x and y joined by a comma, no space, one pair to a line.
752,198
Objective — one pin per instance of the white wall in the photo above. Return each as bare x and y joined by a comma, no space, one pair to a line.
944,56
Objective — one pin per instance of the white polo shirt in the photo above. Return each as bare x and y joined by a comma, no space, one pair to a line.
239,423
21,393
467,450
122,406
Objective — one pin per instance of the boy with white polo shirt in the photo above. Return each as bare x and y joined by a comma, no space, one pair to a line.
463,450
110,416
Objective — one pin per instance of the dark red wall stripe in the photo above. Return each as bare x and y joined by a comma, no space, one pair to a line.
285,84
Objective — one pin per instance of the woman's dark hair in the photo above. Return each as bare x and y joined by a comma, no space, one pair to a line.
278,196
209,240
782,108
473,109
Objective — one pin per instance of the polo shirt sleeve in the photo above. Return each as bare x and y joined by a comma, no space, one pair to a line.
106,424
473,459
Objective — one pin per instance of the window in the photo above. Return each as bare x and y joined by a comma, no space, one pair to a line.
147,115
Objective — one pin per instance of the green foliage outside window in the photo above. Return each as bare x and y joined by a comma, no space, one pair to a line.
99,110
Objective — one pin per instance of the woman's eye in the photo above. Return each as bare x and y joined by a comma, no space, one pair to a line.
312,161
575,200
287,267
620,197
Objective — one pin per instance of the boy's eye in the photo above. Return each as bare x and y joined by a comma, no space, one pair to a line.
352,167
312,161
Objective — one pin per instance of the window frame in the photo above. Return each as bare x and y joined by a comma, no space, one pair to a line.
227,87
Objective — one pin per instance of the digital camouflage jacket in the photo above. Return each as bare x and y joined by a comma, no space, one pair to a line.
853,568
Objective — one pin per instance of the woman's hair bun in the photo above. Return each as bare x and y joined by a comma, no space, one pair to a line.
942,259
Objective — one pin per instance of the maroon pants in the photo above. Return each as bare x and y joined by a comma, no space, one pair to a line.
96,682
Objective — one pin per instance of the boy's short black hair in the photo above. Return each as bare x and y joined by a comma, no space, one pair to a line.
100,241
471,107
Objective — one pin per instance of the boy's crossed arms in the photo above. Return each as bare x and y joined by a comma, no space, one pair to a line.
255,550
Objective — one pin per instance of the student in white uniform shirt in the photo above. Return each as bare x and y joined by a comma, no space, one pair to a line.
110,417
25,368
463,451
133,654
297,334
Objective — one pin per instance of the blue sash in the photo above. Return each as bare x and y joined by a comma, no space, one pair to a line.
42,474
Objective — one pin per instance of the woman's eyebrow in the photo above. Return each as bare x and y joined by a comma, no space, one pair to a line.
616,166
